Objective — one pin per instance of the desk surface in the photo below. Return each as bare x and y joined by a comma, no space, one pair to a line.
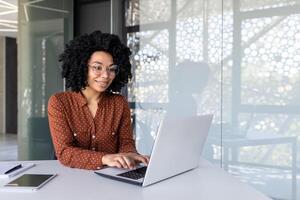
206,182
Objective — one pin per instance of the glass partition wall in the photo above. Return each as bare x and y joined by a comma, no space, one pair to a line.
239,60
44,27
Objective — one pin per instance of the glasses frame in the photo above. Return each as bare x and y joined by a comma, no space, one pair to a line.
107,69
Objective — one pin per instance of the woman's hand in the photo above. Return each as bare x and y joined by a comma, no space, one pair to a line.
124,160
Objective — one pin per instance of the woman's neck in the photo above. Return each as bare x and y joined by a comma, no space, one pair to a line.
91,95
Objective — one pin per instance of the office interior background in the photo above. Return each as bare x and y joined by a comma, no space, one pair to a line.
236,59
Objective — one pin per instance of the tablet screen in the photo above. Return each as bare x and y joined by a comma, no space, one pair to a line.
30,180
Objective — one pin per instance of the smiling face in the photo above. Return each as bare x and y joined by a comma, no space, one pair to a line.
100,71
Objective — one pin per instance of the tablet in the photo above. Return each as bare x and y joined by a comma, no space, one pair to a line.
29,181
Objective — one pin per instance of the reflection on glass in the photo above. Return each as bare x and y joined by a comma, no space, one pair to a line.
252,85
187,82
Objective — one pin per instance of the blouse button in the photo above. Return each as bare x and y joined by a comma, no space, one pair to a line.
93,136
93,148
75,134
113,133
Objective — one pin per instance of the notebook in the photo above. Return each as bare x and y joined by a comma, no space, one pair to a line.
177,149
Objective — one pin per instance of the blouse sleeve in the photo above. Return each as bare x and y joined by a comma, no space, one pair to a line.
67,153
126,141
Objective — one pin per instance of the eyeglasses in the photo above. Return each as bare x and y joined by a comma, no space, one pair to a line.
111,70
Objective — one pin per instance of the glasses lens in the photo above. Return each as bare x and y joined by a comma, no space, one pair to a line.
114,69
96,69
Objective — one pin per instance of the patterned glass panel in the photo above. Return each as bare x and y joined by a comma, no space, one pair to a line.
267,125
241,66
270,65
150,61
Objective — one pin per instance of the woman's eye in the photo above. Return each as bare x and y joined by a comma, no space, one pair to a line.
98,68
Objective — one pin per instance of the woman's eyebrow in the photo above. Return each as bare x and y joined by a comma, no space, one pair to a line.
97,62
100,63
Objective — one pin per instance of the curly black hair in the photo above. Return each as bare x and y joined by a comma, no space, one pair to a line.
79,50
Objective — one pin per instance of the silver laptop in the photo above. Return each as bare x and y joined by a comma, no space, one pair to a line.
177,149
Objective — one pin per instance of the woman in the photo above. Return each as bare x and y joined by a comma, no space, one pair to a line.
90,124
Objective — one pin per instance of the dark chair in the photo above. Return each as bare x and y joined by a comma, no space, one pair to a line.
40,145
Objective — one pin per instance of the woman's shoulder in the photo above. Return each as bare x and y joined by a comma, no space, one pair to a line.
117,97
64,95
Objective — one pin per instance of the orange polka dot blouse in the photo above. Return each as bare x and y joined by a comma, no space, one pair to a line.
80,140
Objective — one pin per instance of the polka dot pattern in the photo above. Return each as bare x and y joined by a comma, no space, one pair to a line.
80,140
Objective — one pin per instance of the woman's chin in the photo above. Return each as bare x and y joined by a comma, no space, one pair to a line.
98,89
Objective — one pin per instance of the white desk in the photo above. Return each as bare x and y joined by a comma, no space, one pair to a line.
207,182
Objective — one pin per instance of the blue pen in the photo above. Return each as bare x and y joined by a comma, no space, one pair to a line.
13,169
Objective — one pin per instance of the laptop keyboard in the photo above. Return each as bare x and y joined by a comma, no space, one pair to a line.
135,174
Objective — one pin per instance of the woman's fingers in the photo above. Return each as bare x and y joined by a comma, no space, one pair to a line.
125,160
129,161
139,158
147,158
122,161
114,160
116,164
142,159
